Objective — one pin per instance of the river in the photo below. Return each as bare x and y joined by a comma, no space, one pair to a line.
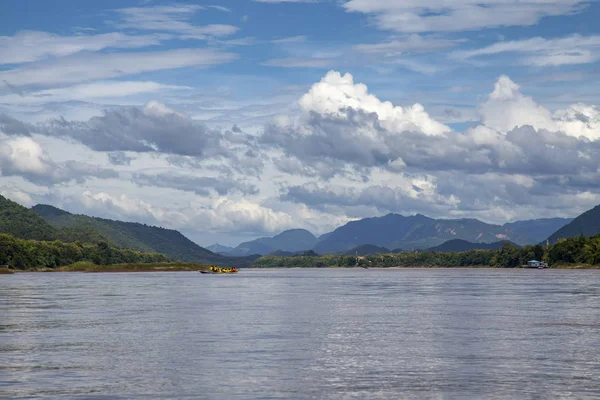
301,334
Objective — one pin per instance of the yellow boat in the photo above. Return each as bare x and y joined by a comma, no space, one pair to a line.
218,270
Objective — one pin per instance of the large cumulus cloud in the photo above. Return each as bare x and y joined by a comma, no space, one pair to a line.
342,125
519,155
507,108
336,93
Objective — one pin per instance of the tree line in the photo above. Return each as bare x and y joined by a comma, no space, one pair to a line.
579,250
23,254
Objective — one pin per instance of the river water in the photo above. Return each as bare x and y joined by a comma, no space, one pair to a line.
301,334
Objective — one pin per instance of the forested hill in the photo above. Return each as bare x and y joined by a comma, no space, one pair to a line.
136,236
587,224
23,223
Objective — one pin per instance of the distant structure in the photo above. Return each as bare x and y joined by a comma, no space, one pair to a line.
535,264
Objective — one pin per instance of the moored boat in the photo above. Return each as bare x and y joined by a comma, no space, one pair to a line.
218,270
535,264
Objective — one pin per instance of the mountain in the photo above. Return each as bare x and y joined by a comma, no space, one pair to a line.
459,245
23,223
136,236
395,231
367,250
537,230
292,240
378,231
324,236
219,248
587,224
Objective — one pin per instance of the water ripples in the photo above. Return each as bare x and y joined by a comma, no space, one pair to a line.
310,334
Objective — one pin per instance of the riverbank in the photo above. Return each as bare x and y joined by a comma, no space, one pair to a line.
564,266
85,266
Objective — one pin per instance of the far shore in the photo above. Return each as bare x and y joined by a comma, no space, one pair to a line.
90,267
178,267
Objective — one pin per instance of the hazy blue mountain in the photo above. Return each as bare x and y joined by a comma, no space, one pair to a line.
537,230
324,236
379,231
587,224
395,231
458,245
292,240
219,248
367,250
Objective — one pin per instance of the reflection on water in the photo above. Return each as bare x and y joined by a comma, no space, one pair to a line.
299,334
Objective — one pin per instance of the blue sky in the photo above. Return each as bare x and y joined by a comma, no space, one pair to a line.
136,103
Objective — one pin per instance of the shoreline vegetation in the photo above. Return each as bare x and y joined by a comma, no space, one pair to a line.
86,266
581,252
191,267
32,255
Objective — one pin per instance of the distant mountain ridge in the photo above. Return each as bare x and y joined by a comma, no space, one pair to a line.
587,224
537,230
394,231
368,235
292,240
398,232
219,248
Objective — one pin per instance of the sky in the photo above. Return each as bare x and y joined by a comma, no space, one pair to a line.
232,120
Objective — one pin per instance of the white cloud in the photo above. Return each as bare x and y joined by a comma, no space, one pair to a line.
25,157
124,206
442,15
579,120
291,39
574,49
172,19
246,216
16,194
297,62
410,44
220,8
28,46
416,66
508,108
88,92
87,67
337,92
223,215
